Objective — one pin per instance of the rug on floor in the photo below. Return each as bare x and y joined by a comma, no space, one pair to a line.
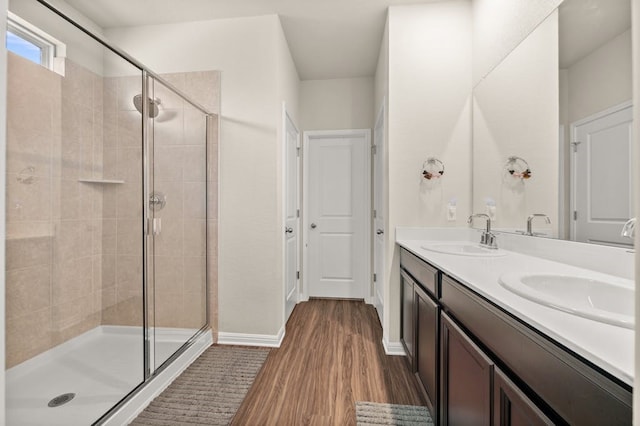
373,413
209,391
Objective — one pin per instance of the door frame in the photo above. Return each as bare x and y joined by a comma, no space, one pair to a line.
573,163
308,137
286,117
378,300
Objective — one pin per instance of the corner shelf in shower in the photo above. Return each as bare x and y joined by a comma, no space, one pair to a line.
105,181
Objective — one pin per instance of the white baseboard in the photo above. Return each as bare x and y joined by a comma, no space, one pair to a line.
267,340
393,348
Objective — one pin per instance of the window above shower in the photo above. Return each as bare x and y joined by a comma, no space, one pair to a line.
30,42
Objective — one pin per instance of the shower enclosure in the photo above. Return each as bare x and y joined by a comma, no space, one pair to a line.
107,213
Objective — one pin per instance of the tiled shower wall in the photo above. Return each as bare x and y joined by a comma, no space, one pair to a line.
54,137
74,258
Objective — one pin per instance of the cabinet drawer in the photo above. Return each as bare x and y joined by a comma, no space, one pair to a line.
574,390
424,274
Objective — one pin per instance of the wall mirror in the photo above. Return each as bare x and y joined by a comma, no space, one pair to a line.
561,101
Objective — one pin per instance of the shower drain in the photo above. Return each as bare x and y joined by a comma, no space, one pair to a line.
61,399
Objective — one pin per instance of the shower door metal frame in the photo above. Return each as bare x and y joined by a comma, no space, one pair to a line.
147,154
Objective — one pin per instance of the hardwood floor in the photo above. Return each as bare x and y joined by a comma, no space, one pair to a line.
331,357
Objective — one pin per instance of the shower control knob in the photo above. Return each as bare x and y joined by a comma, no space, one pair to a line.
314,226
379,232
289,230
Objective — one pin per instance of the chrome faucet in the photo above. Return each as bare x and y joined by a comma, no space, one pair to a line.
530,219
488,238
629,229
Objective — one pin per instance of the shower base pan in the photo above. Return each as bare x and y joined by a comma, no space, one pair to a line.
78,381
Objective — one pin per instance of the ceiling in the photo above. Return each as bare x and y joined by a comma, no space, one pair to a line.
327,38
586,25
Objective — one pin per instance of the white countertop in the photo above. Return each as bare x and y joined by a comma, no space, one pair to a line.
608,346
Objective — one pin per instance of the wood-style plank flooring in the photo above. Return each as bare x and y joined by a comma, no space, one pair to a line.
331,357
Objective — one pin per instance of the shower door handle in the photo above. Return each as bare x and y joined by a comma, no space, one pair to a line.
155,226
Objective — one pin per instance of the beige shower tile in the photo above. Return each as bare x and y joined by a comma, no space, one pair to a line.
109,235
212,201
129,130
128,202
66,204
128,310
97,273
168,274
195,236
72,240
212,164
129,274
129,237
28,200
70,314
168,310
109,201
194,310
168,98
27,336
168,127
28,252
90,200
70,158
108,271
110,94
110,129
204,88
28,290
24,105
130,165
128,87
110,163
212,238
173,191
170,241
194,275
28,148
71,279
77,84
194,200
194,164
195,126
168,163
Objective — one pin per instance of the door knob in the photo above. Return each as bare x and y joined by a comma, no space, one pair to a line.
379,232
289,230
314,226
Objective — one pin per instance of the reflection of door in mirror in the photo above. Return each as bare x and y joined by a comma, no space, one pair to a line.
595,113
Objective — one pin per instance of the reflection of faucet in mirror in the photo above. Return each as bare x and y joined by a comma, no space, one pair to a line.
629,229
530,220
488,239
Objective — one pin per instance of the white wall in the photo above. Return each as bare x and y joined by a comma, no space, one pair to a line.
429,115
636,131
3,183
602,79
516,114
336,104
250,287
500,25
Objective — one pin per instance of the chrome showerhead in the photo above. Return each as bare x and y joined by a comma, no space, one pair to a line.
153,105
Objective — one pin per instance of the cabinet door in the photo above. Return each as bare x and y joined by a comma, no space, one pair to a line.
466,379
511,407
407,335
427,347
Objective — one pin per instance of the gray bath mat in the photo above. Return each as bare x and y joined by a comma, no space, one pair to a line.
209,391
372,413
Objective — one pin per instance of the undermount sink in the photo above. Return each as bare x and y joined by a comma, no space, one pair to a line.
608,302
463,249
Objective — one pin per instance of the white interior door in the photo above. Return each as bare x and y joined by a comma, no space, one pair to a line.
292,220
379,235
337,206
602,178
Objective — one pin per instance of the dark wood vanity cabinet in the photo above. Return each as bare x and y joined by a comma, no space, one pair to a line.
511,407
427,344
466,379
407,332
461,346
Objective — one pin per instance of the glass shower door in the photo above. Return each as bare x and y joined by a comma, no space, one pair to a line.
177,209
